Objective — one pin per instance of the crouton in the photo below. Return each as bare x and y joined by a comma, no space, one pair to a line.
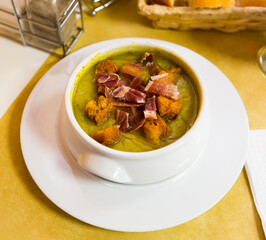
174,74
168,107
163,126
107,136
107,66
132,69
171,76
154,129
161,72
163,79
99,110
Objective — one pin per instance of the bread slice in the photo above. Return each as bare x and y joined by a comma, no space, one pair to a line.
169,3
253,3
212,3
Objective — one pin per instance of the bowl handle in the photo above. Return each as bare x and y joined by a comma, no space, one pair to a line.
103,167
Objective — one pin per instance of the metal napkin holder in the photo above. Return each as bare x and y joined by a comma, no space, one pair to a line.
61,48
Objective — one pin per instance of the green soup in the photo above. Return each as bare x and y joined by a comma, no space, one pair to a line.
85,90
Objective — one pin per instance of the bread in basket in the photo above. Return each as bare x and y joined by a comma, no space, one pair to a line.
223,15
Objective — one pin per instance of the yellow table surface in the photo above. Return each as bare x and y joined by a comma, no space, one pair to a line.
26,213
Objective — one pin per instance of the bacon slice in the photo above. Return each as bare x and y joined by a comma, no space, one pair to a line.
150,108
122,119
161,78
136,121
150,114
147,58
170,77
134,110
120,92
129,94
111,99
135,96
132,69
136,82
153,69
108,80
167,90
129,124
135,127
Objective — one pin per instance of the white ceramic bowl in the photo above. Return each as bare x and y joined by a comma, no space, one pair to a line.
131,167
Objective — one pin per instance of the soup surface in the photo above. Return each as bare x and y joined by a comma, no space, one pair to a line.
158,110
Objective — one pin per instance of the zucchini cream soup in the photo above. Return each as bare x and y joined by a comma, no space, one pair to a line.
135,100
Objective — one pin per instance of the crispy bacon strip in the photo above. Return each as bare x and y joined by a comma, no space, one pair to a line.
150,108
167,90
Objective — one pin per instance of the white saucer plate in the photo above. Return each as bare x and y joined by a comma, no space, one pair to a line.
126,207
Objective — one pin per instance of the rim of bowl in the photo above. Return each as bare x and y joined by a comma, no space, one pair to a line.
123,154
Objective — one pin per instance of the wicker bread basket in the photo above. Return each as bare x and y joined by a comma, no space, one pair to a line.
187,18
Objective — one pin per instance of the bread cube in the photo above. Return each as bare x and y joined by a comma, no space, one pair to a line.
107,136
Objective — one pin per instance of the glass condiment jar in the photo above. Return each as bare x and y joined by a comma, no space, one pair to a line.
47,14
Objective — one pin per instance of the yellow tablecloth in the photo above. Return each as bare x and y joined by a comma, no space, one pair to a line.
26,213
